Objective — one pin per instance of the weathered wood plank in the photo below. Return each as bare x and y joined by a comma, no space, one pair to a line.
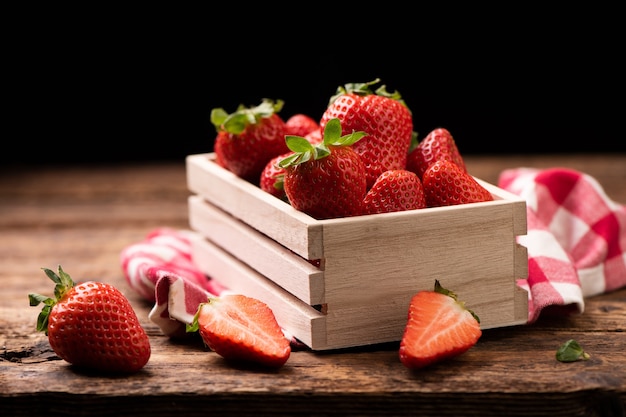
82,217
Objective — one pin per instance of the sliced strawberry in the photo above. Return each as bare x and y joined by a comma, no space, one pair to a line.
242,328
395,190
446,184
438,327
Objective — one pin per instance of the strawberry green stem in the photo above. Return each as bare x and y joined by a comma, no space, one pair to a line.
64,283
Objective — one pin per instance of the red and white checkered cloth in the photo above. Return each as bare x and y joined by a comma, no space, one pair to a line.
576,245
576,238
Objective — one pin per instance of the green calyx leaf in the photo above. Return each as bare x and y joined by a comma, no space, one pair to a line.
441,290
304,151
237,122
571,351
64,283
364,89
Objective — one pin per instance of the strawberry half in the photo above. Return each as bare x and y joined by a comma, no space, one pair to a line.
241,328
446,184
92,325
395,190
438,327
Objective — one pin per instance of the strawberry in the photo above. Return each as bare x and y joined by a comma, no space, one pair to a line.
438,144
241,328
272,175
383,116
300,125
326,180
446,184
395,190
439,327
248,138
92,325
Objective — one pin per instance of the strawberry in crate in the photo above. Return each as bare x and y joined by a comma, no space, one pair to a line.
383,116
249,137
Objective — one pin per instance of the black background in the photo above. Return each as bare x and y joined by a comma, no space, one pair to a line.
139,86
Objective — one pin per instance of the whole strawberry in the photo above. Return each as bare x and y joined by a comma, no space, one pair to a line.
395,190
92,325
300,124
248,138
241,328
272,175
446,184
326,180
383,116
439,327
438,144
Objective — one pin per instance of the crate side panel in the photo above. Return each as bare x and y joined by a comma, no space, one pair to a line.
260,210
516,203
471,251
379,322
282,266
299,319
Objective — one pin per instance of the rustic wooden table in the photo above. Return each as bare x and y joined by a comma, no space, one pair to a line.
82,217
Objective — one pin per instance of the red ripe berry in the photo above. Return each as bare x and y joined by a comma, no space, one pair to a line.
300,125
383,116
438,144
92,325
248,138
395,190
446,184
272,177
326,180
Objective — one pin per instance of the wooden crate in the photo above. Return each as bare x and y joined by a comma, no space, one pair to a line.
369,266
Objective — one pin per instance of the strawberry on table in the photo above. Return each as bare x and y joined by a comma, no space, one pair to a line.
248,138
438,144
383,116
395,190
446,184
241,328
326,180
92,325
439,327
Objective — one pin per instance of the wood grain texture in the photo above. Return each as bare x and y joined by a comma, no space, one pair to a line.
82,217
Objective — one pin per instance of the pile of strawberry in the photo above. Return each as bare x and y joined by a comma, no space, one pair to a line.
362,157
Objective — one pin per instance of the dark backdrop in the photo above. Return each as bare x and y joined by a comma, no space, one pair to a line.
99,92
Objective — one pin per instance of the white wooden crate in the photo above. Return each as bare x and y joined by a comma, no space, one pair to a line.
369,266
